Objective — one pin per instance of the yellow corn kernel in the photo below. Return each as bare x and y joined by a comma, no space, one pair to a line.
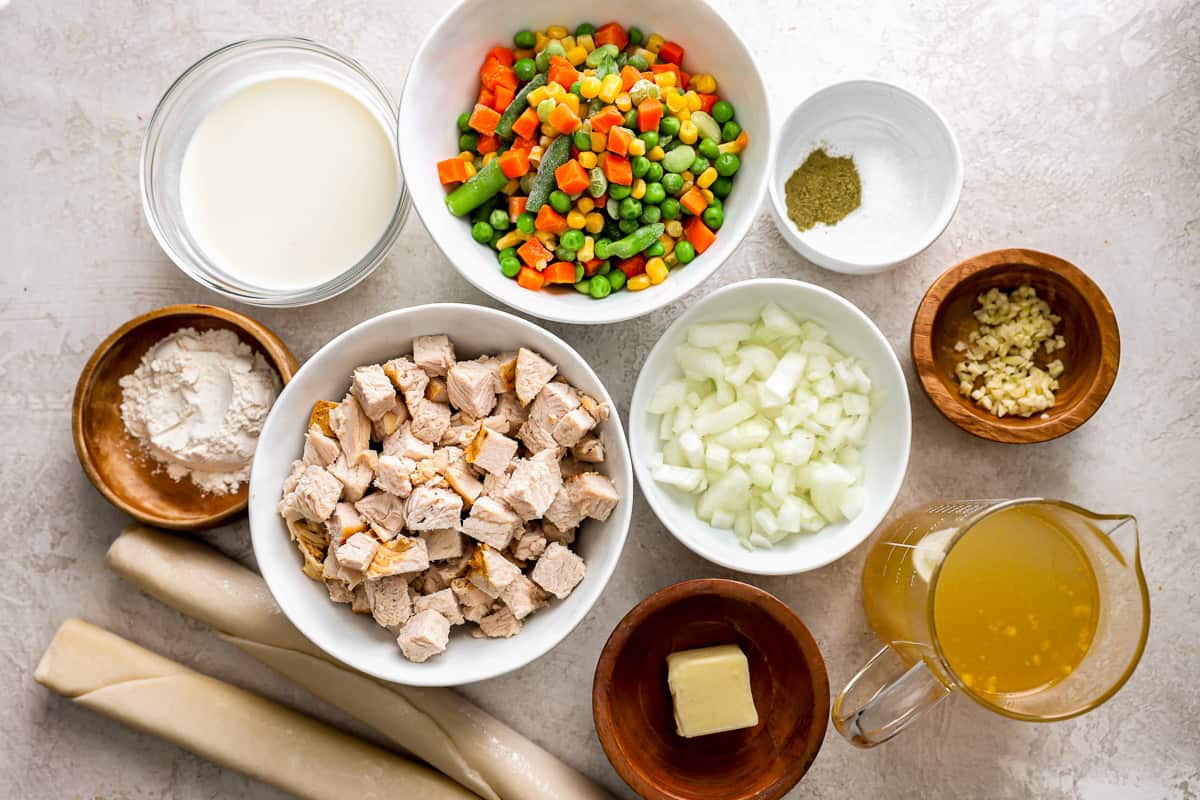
587,160
556,31
537,95
540,40
588,251
585,204
687,187
671,259
548,129
489,158
693,101
675,102
535,154
554,91
575,220
736,146
544,140
664,80
594,222
687,176
546,238
638,190
586,42
568,42
599,142
467,155
610,87
656,153
624,102
651,58
576,55
674,229
511,187
470,170
707,194
589,87
654,43
638,282
704,83
511,239
656,270
571,101
706,178
637,148
684,116
688,133
667,242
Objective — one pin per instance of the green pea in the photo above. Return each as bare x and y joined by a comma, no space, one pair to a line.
730,131
468,141
599,287
560,201
640,166
618,191
562,253
572,239
670,208
651,215
655,194
655,250
542,60
611,230
482,232
684,252
584,286
577,88
496,237
721,111
510,267
582,140
525,222
721,187
464,122
508,252
708,149
713,217
669,126
727,164
649,137
716,203
579,272
679,159
699,165
630,208
525,40
631,119
616,280
585,29
628,226
672,183
499,219
605,268
603,243
638,62
525,68
655,172
636,36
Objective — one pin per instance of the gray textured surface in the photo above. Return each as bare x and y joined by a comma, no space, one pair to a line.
1080,130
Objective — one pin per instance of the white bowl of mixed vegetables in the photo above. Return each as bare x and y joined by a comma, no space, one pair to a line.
598,169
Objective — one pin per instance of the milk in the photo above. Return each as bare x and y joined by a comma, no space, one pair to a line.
288,183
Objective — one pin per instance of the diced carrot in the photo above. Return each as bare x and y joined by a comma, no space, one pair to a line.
530,278
707,101
452,170
612,33
488,144
590,268
629,76
494,72
534,254
523,144
693,201
605,118
618,170
619,139
560,272
633,266
563,119
698,234
514,163
504,96
516,207
550,220
561,72
672,52
503,55
527,124
484,119
486,97
650,112
571,177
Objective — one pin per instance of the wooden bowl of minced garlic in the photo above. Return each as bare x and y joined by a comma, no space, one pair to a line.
1016,346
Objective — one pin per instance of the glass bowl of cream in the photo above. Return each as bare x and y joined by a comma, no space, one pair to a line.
270,173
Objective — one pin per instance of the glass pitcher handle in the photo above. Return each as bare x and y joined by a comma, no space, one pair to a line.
884,697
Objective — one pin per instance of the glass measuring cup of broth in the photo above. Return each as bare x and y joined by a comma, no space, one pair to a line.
1035,609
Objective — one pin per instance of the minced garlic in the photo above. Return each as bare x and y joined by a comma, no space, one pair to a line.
998,370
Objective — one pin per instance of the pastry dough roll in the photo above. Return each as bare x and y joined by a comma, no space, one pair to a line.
227,725
436,725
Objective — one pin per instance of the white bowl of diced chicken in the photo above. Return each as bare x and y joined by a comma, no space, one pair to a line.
770,427
440,494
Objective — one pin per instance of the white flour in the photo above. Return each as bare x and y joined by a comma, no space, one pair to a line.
197,403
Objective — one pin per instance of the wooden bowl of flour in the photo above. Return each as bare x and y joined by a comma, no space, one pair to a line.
114,461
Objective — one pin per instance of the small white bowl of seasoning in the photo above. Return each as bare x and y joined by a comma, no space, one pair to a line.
865,175
270,172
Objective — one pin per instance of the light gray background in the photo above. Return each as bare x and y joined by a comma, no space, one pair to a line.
1079,124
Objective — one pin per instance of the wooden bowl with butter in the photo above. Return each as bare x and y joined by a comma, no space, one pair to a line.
633,706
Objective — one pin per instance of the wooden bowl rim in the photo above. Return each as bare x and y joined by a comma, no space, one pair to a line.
280,357
979,422
723,587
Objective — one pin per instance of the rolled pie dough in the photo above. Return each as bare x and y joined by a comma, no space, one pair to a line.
227,725
437,725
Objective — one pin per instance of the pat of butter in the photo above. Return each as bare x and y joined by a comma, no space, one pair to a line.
711,690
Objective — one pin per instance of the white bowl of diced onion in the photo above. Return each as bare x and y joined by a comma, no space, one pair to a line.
794,455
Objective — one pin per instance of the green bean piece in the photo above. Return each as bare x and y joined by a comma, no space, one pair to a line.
518,105
555,156
482,186
631,245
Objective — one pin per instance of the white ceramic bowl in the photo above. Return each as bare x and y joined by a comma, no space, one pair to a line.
434,95
908,161
357,640
885,456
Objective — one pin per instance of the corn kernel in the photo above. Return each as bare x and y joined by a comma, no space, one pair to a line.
587,159
467,155
675,229
511,187
610,87
624,102
511,239
637,148
656,153
654,43
688,132
594,222
651,58
656,270
489,158
575,219
675,102
544,141
664,80
693,101
547,238
687,176
671,259
599,142
687,187
588,251
586,42
470,170
568,42
537,95
704,83
589,87
556,31
571,101
736,146
707,194
638,190
585,204
667,242
554,91
706,178
576,55
638,282
535,154
547,129
540,40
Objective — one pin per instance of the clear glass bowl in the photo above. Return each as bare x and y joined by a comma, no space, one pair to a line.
197,91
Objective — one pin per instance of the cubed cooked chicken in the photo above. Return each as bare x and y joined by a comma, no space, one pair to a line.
424,636
472,388
434,354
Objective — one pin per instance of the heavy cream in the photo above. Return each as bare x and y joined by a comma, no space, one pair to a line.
288,183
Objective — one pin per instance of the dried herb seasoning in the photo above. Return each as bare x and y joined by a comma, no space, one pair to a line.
823,189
